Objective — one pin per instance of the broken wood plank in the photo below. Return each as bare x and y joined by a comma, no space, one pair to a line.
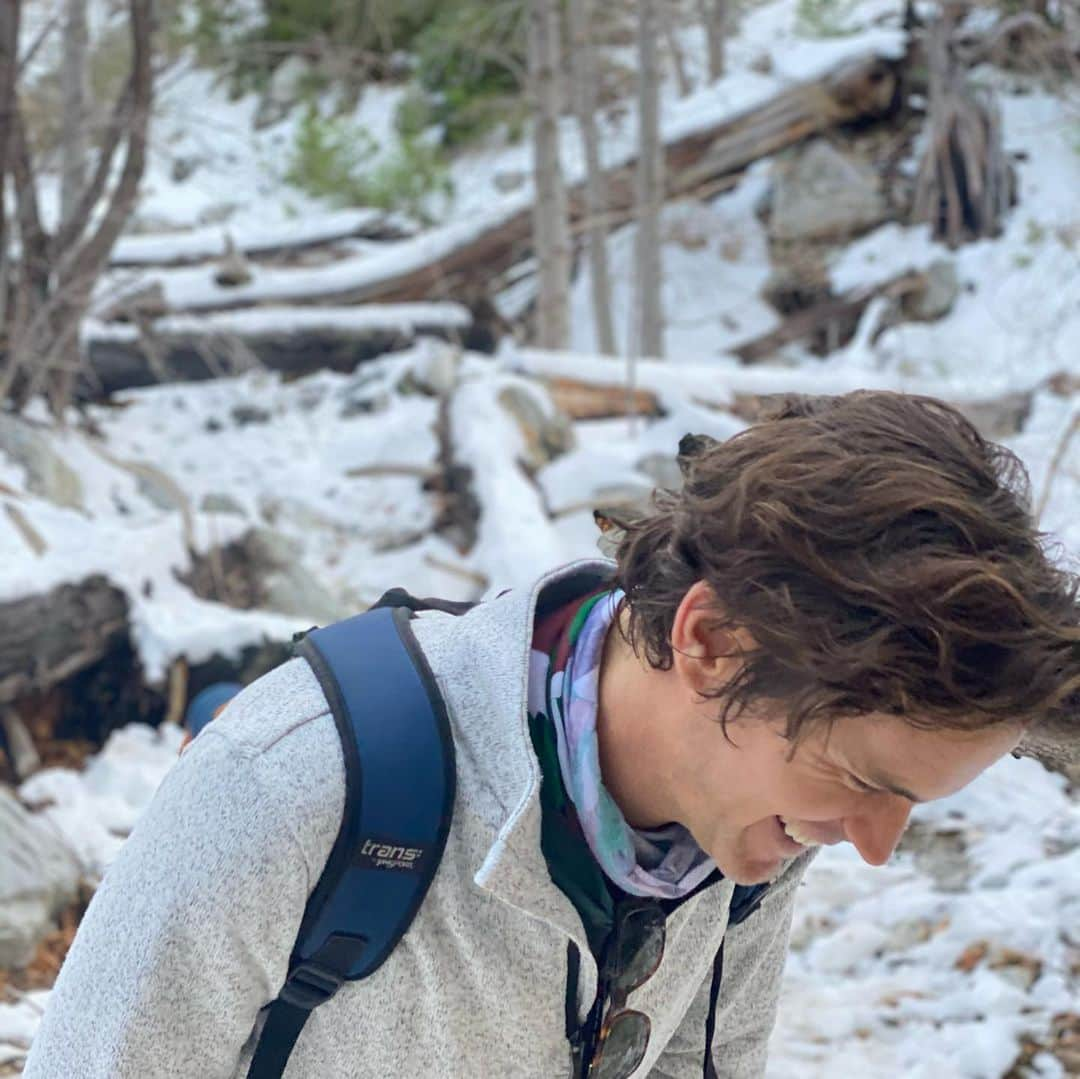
596,401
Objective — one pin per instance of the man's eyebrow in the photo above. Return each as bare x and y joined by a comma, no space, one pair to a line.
893,787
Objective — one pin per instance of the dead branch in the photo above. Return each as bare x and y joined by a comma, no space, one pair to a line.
964,186
1055,464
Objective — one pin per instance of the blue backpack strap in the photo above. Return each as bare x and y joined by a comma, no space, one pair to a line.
400,778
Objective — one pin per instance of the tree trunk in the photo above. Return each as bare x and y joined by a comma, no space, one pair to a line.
10,11
671,39
584,81
56,274
551,229
648,338
713,15
964,186
75,91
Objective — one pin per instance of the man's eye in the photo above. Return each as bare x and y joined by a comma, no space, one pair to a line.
860,785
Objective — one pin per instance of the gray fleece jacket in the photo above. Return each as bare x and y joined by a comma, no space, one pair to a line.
188,937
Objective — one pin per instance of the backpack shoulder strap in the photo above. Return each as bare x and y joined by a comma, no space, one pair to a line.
400,779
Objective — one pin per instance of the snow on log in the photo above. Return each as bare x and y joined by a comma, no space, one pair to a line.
456,258
295,340
213,241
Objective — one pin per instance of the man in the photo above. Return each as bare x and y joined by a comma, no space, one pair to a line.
846,611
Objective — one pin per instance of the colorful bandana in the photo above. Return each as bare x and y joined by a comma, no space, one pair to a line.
564,690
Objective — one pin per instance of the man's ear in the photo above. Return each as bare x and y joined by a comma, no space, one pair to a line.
703,655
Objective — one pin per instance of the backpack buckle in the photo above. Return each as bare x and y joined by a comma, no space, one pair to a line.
310,984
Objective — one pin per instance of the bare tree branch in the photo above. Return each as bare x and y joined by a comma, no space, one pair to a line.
92,193
91,257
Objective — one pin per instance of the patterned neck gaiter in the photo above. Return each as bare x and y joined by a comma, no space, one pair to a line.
564,689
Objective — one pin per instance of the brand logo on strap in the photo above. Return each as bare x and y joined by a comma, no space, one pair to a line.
386,854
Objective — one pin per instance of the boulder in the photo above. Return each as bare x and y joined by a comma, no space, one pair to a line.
820,193
936,298
285,89
40,878
47,474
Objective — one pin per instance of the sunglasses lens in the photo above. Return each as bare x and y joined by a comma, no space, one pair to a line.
640,945
623,1049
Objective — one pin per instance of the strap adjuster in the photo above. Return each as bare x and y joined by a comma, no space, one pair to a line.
310,984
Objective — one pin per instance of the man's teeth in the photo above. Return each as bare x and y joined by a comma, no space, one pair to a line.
792,831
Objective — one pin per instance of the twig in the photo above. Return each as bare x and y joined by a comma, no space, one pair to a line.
178,687
1055,463
20,746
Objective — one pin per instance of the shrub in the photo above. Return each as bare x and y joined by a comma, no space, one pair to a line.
332,158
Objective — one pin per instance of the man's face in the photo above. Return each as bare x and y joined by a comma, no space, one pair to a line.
750,798
754,803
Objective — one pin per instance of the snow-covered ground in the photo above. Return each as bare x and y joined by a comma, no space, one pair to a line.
938,965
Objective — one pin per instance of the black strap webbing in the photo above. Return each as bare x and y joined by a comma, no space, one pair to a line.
709,1068
283,1025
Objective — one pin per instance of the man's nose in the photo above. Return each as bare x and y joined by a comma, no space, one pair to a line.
875,832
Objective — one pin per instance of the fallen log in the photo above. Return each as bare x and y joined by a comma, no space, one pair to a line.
45,639
828,324
459,258
277,241
291,340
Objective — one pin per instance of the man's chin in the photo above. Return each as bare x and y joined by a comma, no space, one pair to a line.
747,873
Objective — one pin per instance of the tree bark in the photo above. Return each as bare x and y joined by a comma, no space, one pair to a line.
648,304
713,15
584,79
75,93
551,232
10,12
964,186
671,39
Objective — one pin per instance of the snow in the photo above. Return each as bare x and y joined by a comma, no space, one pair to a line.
286,321
212,241
875,986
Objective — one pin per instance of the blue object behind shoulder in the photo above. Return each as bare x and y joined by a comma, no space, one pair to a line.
206,702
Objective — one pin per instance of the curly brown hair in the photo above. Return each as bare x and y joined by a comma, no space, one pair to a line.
882,557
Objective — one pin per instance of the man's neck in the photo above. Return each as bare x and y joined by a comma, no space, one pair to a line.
625,727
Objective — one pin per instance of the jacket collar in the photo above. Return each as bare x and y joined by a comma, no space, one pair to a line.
489,651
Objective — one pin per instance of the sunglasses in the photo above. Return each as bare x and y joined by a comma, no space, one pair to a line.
632,959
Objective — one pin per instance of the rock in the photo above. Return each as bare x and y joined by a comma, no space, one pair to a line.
244,415
940,853
183,168
792,287
47,474
547,431
936,298
663,469
286,88
998,417
221,503
821,194
435,372
40,878
507,180
288,588
232,269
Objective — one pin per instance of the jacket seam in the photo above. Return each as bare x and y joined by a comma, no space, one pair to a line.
251,758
